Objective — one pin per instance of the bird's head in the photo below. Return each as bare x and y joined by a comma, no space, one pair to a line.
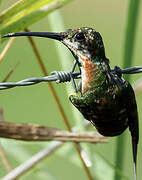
82,42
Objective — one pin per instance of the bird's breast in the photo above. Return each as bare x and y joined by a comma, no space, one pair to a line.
90,73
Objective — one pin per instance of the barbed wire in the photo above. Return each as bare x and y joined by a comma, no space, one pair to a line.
130,70
65,76
58,76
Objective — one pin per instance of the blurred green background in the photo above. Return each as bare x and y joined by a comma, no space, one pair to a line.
34,104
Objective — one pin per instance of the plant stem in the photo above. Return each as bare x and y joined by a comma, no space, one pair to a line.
33,132
6,48
130,34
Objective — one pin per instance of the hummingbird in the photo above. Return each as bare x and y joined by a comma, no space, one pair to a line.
104,98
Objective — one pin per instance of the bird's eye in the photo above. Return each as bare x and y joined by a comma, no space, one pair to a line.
80,36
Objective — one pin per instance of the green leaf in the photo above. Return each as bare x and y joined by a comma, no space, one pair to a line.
26,12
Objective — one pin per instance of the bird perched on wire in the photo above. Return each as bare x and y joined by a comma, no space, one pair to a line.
105,98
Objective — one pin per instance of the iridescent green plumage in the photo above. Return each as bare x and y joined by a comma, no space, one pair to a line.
105,98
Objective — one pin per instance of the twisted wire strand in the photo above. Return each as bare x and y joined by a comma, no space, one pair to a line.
64,76
130,70
58,76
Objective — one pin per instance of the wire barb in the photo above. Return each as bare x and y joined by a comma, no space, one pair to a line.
132,70
58,76
65,76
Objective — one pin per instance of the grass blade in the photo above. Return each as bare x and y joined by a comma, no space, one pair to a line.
26,12
130,34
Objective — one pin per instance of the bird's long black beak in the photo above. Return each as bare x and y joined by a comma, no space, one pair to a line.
57,36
